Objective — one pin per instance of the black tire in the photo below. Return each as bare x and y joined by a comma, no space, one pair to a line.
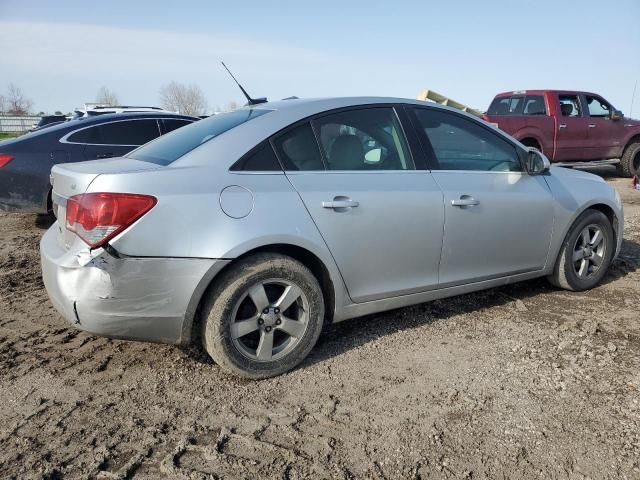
530,142
565,274
630,162
231,293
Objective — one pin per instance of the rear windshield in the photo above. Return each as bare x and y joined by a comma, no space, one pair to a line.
172,146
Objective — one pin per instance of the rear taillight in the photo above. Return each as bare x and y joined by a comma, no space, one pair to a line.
98,217
5,158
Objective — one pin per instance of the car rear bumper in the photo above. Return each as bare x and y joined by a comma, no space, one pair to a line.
129,297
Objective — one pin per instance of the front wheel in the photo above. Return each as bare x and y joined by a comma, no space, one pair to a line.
586,253
263,316
630,162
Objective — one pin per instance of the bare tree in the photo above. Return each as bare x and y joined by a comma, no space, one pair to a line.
186,99
232,105
16,101
3,104
107,97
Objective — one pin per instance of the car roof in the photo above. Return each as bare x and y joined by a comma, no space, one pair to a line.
234,143
542,92
103,118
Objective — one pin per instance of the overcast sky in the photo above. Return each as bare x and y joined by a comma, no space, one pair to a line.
61,52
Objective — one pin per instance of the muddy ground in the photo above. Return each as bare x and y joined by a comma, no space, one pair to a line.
524,381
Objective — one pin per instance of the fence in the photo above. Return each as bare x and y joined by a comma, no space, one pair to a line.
18,124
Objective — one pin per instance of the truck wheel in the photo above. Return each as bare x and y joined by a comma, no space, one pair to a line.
263,317
530,142
586,253
630,162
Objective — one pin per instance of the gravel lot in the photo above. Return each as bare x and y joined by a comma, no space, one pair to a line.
523,381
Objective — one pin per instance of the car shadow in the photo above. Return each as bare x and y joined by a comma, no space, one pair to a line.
344,336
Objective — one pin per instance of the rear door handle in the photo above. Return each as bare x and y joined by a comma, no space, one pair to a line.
340,202
592,125
465,201
562,125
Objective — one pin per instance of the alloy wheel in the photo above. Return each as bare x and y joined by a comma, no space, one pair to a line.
269,320
589,251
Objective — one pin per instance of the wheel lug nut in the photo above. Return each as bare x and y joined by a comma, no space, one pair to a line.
268,329
278,322
276,310
266,310
260,321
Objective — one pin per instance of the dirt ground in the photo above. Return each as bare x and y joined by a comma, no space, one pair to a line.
524,381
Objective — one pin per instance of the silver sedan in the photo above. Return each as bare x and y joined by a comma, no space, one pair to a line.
250,230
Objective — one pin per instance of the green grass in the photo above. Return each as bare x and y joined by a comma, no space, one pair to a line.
6,135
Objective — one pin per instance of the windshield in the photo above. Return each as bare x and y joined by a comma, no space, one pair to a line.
170,147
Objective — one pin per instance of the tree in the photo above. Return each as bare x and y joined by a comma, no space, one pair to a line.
185,99
3,104
107,97
232,105
16,101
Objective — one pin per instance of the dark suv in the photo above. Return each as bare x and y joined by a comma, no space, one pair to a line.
25,162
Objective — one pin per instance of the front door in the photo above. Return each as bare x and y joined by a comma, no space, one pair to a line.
381,218
605,135
498,219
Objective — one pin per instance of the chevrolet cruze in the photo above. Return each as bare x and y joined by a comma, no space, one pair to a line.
250,230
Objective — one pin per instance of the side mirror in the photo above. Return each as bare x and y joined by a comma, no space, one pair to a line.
616,115
537,163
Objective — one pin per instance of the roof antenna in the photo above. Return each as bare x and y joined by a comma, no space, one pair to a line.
250,101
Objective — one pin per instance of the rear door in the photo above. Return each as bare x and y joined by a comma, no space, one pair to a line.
119,137
498,219
380,216
572,128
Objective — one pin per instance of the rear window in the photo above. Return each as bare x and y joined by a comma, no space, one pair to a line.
168,148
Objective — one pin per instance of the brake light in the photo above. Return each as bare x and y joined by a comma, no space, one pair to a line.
5,158
98,217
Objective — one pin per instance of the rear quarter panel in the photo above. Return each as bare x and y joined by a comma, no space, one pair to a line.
188,220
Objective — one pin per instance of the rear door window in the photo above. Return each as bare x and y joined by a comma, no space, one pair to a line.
169,148
506,106
570,105
364,139
129,132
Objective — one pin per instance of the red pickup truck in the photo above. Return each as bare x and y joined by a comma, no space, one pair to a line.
569,127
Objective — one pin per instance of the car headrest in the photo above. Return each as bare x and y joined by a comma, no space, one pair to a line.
347,153
567,109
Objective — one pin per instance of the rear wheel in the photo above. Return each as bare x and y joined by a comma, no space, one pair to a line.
263,317
586,253
531,142
630,162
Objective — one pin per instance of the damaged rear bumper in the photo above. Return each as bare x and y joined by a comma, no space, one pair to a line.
149,299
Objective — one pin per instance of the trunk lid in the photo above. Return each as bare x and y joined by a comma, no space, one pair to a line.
69,179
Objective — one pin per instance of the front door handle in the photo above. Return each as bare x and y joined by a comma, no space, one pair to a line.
340,202
105,155
562,125
465,201
592,125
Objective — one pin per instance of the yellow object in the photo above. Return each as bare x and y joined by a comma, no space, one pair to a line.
425,95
